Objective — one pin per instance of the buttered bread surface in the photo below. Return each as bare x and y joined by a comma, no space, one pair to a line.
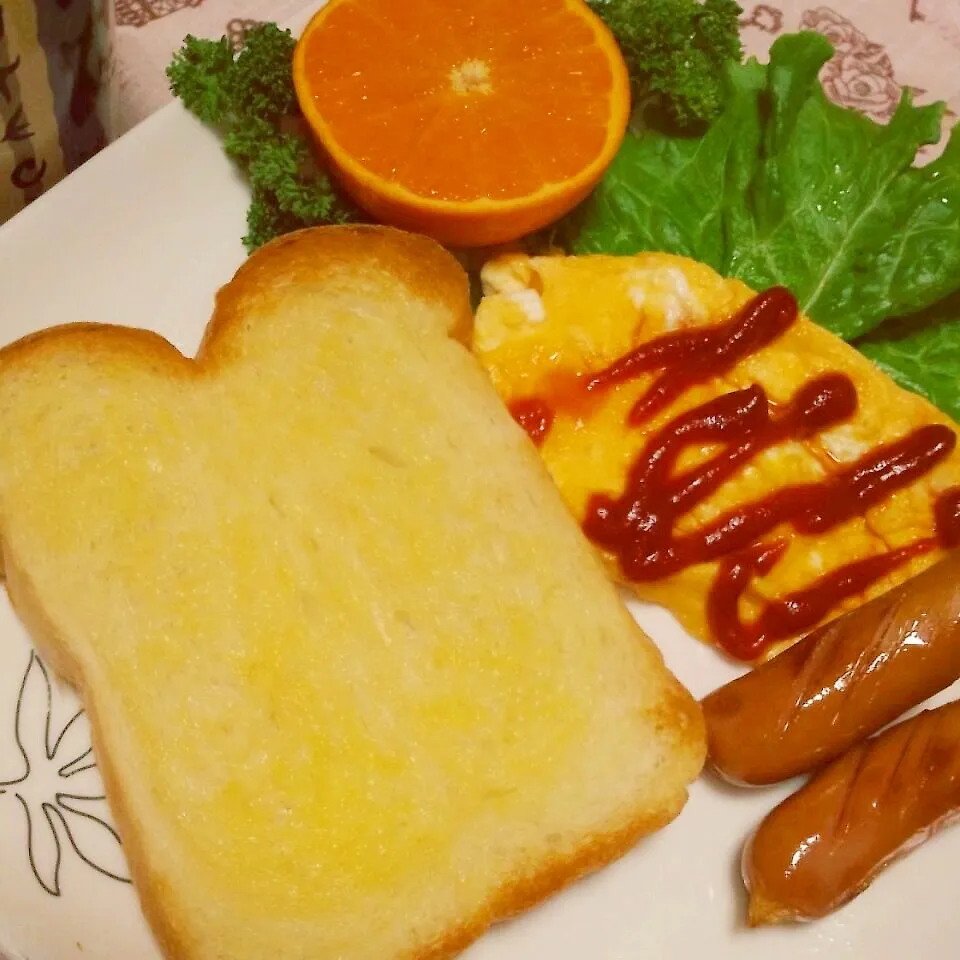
357,683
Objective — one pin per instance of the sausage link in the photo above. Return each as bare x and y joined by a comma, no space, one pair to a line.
825,843
841,683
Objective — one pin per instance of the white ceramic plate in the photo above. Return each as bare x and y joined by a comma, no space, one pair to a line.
143,235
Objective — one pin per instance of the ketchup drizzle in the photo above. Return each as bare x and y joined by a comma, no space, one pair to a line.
638,527
535,416
703,353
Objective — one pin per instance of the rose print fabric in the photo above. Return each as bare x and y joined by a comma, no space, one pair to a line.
882,47
861,72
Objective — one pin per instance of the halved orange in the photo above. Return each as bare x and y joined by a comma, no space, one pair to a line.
473,121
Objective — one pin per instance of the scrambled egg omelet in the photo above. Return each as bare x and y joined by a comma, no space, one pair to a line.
547,325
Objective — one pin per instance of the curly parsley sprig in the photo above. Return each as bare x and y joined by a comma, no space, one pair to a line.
677,52
249,97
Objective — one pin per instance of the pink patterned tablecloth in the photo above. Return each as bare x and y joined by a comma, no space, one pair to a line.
882,45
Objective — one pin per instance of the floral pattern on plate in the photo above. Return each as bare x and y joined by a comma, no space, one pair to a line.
57,788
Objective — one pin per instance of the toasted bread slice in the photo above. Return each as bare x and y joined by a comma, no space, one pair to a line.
359,686
547,320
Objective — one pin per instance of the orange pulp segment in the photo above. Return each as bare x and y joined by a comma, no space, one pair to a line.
474,121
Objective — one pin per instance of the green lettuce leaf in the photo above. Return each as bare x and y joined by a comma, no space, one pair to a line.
922,353
787,187
673,193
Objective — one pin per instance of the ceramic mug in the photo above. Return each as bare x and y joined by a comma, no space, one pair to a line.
57,95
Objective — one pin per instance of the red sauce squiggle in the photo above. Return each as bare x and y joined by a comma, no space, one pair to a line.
689,357
801,610
535,416
796,612
638,527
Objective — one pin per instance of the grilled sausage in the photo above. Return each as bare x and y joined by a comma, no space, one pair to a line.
825,844
843,682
